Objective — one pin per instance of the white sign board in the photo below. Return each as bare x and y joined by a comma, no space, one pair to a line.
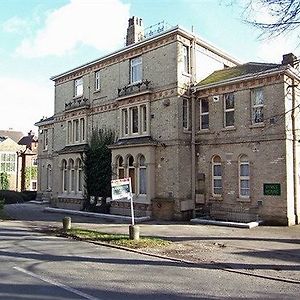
120,188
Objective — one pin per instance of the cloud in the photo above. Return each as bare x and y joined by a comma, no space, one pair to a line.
24,102
15,25
100,24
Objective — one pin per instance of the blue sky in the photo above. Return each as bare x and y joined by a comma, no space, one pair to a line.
42,38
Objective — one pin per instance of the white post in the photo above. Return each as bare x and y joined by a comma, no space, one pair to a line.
131,208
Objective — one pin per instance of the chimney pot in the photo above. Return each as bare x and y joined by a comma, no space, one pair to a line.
135,30
289,59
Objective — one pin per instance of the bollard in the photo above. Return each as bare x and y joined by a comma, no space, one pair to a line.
66,223
134,232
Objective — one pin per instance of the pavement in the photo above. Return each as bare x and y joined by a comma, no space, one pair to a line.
263,251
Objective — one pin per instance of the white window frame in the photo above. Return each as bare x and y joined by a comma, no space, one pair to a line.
143,118
257,106
72,183
9,161
142,168
97,81
69,132
45,139
186,114
64,176
132,167
216,177
134,120
244,160
128,117
82,129
228,110
186,59
125,122
136,71
204,114
120,166
79,176
78,87
49,177
76,130
33,185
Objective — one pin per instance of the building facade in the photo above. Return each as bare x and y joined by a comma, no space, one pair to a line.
207,148
247,143
18,160
139,92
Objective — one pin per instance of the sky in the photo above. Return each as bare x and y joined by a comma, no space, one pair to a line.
43,38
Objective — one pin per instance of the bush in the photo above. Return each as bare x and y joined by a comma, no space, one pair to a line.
30,195
11,197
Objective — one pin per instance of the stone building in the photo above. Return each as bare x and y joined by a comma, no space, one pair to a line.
142,93
247,146
18,159
226,146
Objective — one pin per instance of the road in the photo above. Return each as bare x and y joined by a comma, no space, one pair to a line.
37,266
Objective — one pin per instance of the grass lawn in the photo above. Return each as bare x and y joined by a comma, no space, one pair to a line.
115,239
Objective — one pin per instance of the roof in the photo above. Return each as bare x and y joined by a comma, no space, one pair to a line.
146,140
73,149
44,121
249,68
170,31
28,140
14,135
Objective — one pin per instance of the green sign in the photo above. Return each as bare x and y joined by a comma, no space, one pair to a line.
272,189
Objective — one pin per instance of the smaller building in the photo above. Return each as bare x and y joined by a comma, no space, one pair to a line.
18,160
247,143
9,148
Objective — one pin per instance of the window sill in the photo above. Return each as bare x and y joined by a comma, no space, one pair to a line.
232,128
240,199
215,198
185,130
258,125
135,83
134,135
77,97
204,131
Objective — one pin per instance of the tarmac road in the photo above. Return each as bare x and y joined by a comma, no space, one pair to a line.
44,267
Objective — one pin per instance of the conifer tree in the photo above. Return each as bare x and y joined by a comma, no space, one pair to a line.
97,166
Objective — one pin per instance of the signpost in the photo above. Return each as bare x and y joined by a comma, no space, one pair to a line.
120,189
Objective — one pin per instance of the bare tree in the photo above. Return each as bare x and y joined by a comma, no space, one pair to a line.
285,15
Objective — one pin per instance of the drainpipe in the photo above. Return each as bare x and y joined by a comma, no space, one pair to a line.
193,123
294,153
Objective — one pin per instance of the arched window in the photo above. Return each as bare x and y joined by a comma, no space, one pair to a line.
72,175
244,176
64,176
49,177
131,171
121,171
216,176
142,175
79,176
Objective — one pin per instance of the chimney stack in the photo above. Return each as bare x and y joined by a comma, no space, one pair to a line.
135,31
290,59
